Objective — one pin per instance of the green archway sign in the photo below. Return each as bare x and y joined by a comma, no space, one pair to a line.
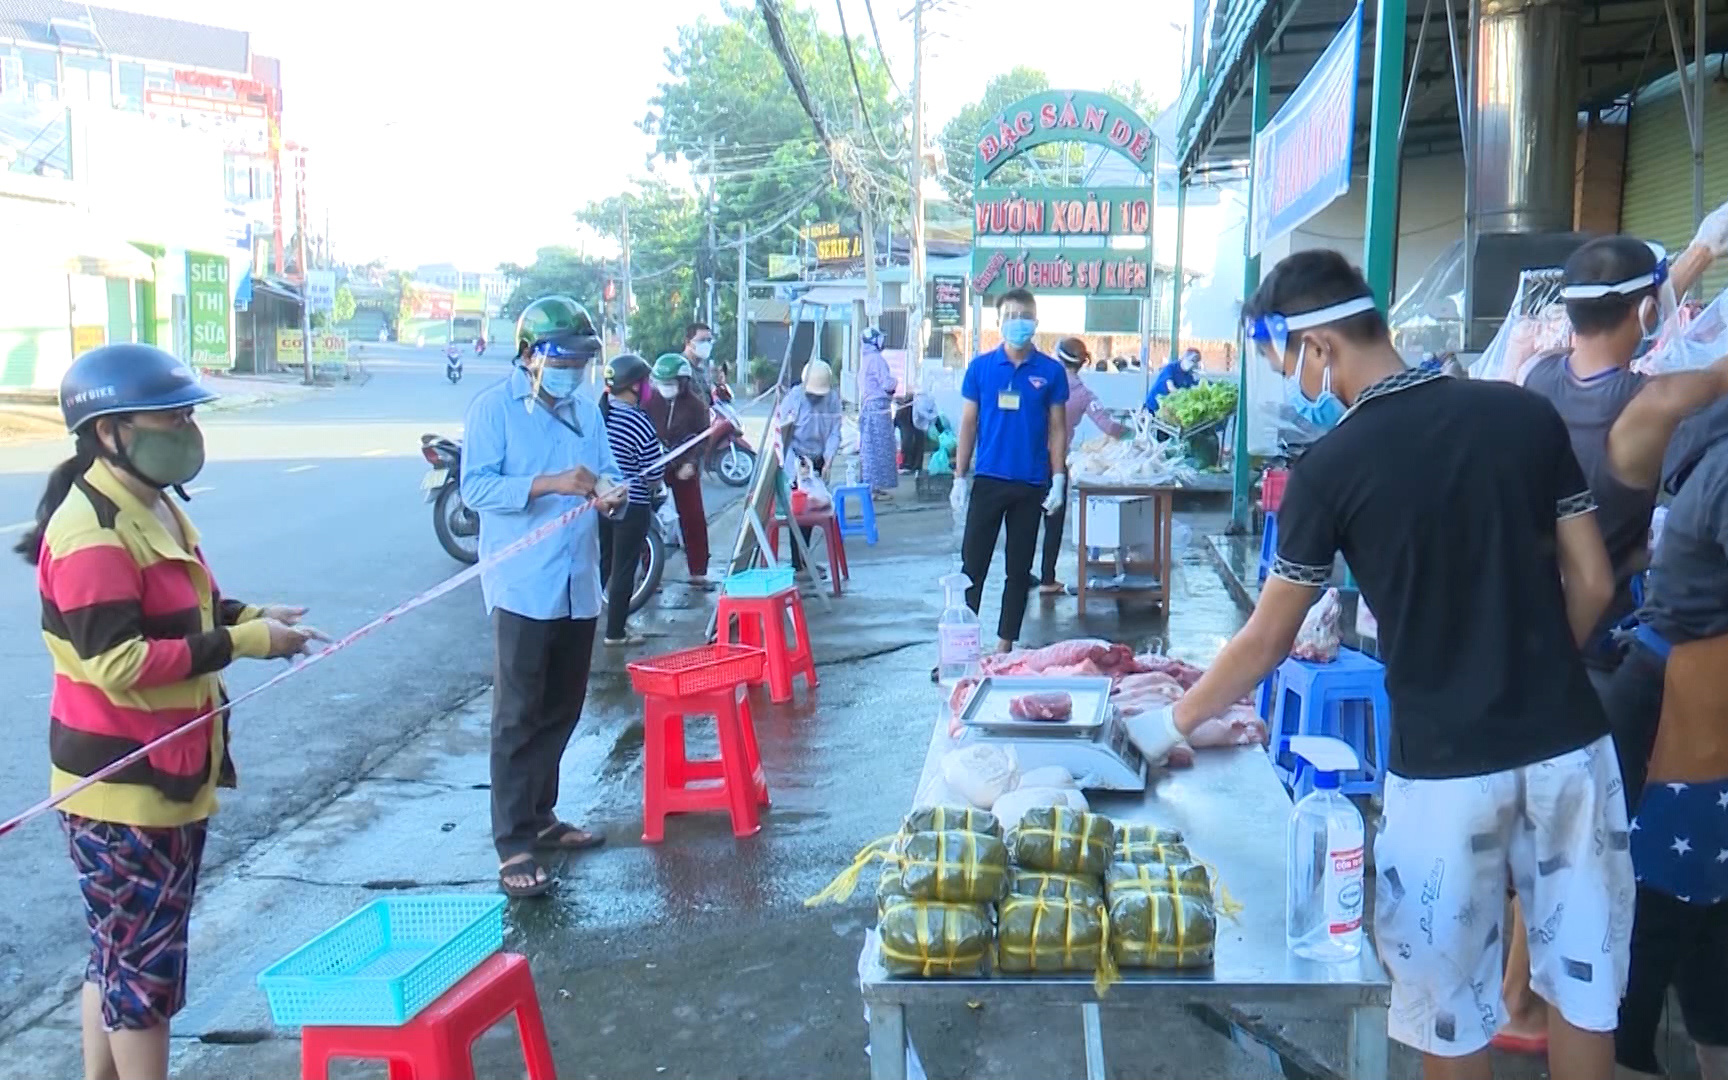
1077,257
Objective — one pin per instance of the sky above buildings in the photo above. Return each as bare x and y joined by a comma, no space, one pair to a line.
473,137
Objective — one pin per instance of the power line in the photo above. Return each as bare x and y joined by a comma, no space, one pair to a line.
880,51
857,86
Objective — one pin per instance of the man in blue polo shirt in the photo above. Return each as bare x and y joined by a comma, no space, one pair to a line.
1015,420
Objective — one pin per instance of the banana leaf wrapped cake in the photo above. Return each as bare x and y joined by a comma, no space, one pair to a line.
1153,927
952,818
952,866
1182,879
1035,934
1066,841
1150,843
1049,885
930,939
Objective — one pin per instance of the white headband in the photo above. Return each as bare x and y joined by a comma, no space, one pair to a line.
1310,319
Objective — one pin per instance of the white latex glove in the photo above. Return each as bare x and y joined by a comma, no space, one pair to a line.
960,495
1154,732
1058,493
1713,231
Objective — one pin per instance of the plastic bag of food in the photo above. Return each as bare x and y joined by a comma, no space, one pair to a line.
1156,928
1182,878
930,940
1064,840
1150,844
1690,338
981,773
1042,935
953,866
1320,637
1042,883
1011,808
1047,776
944,818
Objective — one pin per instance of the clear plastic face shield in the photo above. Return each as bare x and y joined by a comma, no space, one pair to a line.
1270,335
1655,313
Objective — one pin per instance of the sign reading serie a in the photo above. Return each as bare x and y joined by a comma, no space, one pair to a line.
1071,229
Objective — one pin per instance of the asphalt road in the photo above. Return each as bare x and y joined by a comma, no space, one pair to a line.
313,502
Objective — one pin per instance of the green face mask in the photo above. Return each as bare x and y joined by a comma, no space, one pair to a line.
165,458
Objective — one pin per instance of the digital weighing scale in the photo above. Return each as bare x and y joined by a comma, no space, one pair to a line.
1093,744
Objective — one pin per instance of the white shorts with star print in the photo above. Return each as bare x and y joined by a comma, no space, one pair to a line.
1555,830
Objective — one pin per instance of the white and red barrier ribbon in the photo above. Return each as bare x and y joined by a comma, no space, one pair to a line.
443,588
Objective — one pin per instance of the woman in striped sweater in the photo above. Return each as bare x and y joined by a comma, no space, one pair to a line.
636,448
138,633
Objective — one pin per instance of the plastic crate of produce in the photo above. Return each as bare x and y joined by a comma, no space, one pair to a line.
384,963
698,670
763,581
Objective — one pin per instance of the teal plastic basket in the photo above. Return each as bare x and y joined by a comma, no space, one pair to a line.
762,581
384,963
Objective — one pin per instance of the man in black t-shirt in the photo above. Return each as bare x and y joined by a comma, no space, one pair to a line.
1462,511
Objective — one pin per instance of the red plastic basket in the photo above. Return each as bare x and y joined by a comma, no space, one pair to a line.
1272,489
697,671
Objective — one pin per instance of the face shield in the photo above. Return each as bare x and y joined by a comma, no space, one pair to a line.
1653,317
1270,333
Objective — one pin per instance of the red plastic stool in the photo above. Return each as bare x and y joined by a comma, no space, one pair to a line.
711,680
825,520
762,624
438,1043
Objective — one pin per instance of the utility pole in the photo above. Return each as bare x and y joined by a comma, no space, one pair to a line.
743,310
915,324
302,219
624,292
713,251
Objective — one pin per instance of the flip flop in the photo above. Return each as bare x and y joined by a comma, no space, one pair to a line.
1513,1043
554,839
529,868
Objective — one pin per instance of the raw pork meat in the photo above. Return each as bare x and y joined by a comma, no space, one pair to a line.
1320,637
1238,725
1066,655
1044,706
1183,672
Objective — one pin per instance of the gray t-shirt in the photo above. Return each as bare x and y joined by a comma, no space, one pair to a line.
1589,407
1688,596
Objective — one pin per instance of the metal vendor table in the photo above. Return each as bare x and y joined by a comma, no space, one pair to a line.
1233,811
1157,570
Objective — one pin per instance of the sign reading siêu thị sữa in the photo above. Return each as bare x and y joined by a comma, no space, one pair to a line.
207,309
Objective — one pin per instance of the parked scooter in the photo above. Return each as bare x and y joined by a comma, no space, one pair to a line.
730,455
453,365
458,527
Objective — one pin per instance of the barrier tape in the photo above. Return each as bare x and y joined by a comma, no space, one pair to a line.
444,588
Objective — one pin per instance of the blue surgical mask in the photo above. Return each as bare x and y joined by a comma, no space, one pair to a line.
1323,412
558,382
1018,332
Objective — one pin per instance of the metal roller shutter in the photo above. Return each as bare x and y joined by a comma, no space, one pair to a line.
1657,199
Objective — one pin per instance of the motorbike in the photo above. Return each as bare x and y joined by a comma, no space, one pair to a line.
729,456
479,346
453,367
458,528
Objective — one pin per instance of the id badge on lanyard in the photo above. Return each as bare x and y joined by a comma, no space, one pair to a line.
1008,400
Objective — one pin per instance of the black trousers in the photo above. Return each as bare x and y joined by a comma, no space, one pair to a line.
1676,944
1053,525
911,440
620,553
540,681
995,504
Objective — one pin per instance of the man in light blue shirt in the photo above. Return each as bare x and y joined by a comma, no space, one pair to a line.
536,449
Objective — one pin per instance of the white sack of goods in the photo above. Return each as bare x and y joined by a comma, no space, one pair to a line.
1016,804
981,773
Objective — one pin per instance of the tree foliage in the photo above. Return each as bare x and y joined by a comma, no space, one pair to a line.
344,305
557,270
666,230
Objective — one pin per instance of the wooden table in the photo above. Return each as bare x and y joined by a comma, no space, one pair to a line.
1163,498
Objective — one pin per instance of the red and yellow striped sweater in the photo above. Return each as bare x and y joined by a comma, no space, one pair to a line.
138,633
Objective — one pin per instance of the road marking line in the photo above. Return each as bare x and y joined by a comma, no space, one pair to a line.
300,468
199,490
375,453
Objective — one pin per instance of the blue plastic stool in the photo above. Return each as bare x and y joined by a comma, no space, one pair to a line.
1268,547
1341,699
865,526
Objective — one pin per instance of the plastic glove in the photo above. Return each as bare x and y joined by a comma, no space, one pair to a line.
960,495
1154,732
1058,496
1713,231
